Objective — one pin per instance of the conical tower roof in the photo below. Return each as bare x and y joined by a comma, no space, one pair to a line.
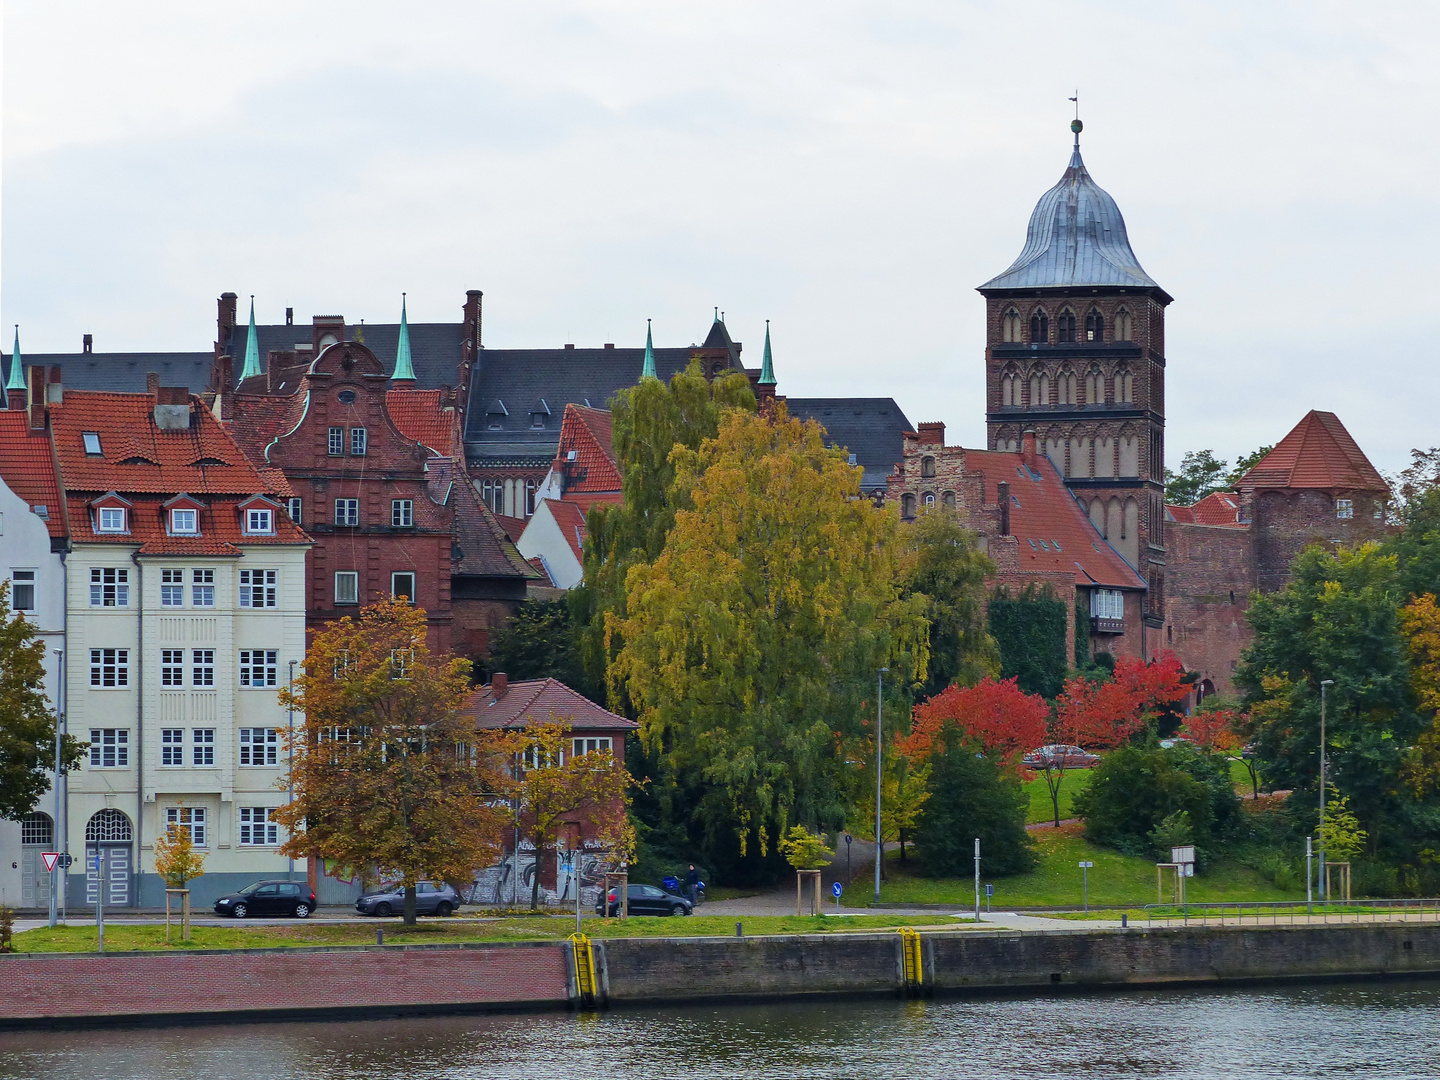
16,381
1076,237
404,369
767,368
252,348
648,371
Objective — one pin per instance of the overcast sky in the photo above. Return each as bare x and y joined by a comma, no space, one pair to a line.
850,171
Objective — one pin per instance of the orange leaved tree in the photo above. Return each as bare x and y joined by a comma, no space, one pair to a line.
388,774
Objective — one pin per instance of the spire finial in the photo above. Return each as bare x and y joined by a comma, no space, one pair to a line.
252,347
648,371
1076,125
767,368
16,380
404,369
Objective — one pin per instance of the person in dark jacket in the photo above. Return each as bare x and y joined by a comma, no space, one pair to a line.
692,885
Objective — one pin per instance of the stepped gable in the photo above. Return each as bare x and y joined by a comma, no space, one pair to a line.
28,469
1318,453
501,705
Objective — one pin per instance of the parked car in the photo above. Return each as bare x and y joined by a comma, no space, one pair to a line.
1170,744
430,899
1059,755
644,900
268,898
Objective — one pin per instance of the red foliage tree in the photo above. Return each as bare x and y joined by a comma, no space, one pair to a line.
994,714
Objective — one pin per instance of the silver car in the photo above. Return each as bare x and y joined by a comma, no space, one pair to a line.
430,899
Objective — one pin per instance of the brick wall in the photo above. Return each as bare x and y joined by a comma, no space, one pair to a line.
1211,575
1285,521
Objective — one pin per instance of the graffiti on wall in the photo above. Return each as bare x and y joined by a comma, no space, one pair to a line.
510,881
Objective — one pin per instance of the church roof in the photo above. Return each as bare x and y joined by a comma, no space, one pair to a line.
1076,237
873,429
1318,453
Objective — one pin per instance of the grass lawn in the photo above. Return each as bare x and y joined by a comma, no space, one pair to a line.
1041,809
122,937
1056,880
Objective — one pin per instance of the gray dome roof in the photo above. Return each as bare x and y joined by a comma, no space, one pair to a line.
1076,237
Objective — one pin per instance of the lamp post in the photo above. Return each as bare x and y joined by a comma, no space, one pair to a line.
879,751
1323,684
290,796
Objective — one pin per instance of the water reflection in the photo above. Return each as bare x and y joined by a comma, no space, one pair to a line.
1380,1029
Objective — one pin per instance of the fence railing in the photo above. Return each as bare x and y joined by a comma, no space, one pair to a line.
1299,913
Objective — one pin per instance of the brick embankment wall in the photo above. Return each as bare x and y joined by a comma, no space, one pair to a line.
279,983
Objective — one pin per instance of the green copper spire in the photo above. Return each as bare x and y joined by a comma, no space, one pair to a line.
648,371
252,348
767,369
16,381
403,367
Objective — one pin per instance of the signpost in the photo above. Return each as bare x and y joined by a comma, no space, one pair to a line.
51,859
836,890
848,841
977,879
989,895
1085,865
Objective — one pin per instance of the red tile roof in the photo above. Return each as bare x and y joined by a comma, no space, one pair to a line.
420,415
1318,453
539,565
512,526
571,522
1053,530
1217,508
28,468
540,701
588,433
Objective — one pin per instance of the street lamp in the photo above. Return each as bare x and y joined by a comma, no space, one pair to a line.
1323,684
290,720
879,751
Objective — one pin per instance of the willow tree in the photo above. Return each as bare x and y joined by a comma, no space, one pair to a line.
389,775
751,644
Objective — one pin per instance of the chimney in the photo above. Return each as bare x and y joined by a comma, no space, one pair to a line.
152,383
222,381
1027,448
932,434
37,398
172,406
87,344
54,389
289,316
1002,496
225,321
473,315
499,683
320,325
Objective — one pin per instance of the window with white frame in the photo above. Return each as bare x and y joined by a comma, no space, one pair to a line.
110,668
259,746
336,441
1344,508
190,819
347,587
172,588
22,590
256,828
202,588
109,748
172,746
401,661
591,745
402,513
109,586
259,522
1107,604
172,667
293,506
111,519
202,746
402,586
202,668
357,441
536,758
184,521
258,667
347,512
258,588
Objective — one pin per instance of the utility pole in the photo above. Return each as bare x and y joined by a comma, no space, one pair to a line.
58,871
290,719
62,782
977,879
1323,684
879,751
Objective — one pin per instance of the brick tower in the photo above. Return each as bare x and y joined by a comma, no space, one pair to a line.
1075,352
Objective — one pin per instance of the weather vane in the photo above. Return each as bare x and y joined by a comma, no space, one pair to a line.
1075,125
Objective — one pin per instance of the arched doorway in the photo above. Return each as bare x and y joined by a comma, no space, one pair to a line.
37,834
108,836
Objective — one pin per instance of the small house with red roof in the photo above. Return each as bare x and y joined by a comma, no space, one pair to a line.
556,537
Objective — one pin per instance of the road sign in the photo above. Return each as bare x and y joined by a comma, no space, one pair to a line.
1085,865
836,889
989,890
67,861
848,838
51,858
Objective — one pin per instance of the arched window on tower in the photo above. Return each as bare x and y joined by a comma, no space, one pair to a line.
907,505
1039,388
1094,326
1124,326
1095,387
1039,328
1124,386
927,466
1065,327
1010,326
1010,388
1068,387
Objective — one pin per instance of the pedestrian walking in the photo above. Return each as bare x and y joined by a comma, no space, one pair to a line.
692,885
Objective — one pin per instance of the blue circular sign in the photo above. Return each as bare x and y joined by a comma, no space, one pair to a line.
836,890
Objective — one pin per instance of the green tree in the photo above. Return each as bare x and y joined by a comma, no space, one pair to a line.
1341,837
1131,794
27,723
805,850
1243,464
176,859
971,796
1029,630
1201,473
1416,546
751,644
538,642
942,563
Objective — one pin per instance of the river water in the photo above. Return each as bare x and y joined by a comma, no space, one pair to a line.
1372,1029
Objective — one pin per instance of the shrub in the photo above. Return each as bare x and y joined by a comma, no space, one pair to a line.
1133,790
971,796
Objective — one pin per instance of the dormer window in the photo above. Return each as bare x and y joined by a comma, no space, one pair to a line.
183,521
110,519
260,522
92,443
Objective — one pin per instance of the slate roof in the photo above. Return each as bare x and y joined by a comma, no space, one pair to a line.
124,373
481,548
1053,530
435,348
540,701
28,469
1318,453
870,428
1218,508
421,415
1076,237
